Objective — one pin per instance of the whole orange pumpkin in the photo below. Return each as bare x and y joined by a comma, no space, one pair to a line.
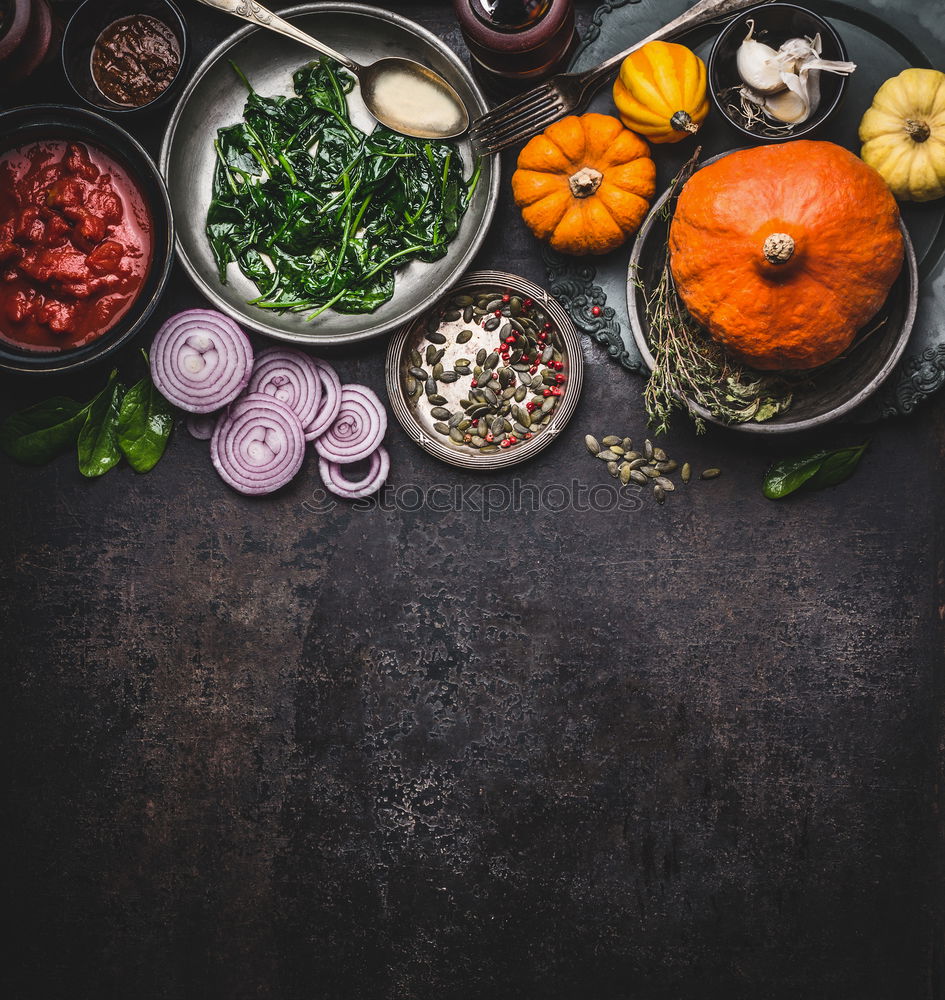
783,252
585,184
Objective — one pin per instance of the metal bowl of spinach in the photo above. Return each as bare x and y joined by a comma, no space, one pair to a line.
326,228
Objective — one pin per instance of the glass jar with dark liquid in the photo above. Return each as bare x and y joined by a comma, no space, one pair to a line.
516,43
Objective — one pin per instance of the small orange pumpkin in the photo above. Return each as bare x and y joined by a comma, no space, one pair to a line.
585,184
783,252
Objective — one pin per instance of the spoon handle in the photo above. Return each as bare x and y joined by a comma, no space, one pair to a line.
256,14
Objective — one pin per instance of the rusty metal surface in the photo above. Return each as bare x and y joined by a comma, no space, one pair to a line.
257,748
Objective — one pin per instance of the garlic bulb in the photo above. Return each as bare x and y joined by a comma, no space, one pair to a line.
758,64
785,83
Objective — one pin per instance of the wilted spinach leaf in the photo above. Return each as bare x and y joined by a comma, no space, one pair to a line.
813,472
317,213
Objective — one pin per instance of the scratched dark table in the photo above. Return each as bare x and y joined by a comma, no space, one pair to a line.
257,749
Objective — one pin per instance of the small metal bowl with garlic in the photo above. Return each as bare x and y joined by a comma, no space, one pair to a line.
778,71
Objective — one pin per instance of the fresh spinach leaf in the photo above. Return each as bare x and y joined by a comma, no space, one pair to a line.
98,440
145,421
813,472
39,433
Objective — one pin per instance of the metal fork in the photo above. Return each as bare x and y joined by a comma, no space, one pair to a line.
529,113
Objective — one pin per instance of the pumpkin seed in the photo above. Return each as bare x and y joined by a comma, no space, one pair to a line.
436,338
419,373
410,385
437,356
627,444
463,370
463,425
449,376
490,395
491,361
476,441
494,304
659,454
463,336
625,472
607,455
456,435
441,428
481,355
488,449
549,404
457,420
667,485
433,323
520,393
660,494
491,323
429,386
415,358
437,400
637,476
648,448
686,472
592,444
631,456
452,315
612,469
440,413
515,305
462,300
637,463
668,466
468,313
709,473
609,440
437,369
616,449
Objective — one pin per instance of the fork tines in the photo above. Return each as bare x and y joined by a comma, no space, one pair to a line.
518,118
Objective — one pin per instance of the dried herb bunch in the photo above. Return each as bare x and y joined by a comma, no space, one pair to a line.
691,368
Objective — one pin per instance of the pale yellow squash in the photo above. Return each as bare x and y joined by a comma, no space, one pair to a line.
903,134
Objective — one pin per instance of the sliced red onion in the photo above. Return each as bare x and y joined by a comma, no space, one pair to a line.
201,360
358,429
201,425
259,445
334,479
330,402
290,376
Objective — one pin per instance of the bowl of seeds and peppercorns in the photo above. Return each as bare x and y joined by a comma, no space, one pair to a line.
490,375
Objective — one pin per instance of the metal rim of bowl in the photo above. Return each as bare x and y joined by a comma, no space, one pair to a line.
807,127
180,29
67,360
771,427
466,459
492,198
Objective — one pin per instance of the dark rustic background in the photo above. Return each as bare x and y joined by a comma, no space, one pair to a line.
253,750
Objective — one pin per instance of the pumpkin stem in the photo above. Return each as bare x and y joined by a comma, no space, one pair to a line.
683,123
918,131
778,248
585,182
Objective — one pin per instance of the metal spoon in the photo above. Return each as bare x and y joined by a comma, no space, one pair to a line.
400,93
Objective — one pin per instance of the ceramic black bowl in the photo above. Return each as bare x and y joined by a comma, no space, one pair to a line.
775,23
84,28
23,126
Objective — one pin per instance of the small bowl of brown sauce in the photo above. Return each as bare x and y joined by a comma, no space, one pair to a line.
124,56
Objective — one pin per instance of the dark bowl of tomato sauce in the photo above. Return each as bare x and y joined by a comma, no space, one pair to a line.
86,238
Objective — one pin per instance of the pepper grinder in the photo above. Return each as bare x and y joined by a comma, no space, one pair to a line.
516,43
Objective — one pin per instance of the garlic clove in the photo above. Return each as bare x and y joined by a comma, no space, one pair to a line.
758,64
791,106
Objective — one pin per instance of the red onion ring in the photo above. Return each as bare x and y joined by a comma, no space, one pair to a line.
201,425
358,429
290,376
259,445
334,480
200,360
330,403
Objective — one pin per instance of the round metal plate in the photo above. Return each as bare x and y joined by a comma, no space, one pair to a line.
419,426
833,390
215,97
